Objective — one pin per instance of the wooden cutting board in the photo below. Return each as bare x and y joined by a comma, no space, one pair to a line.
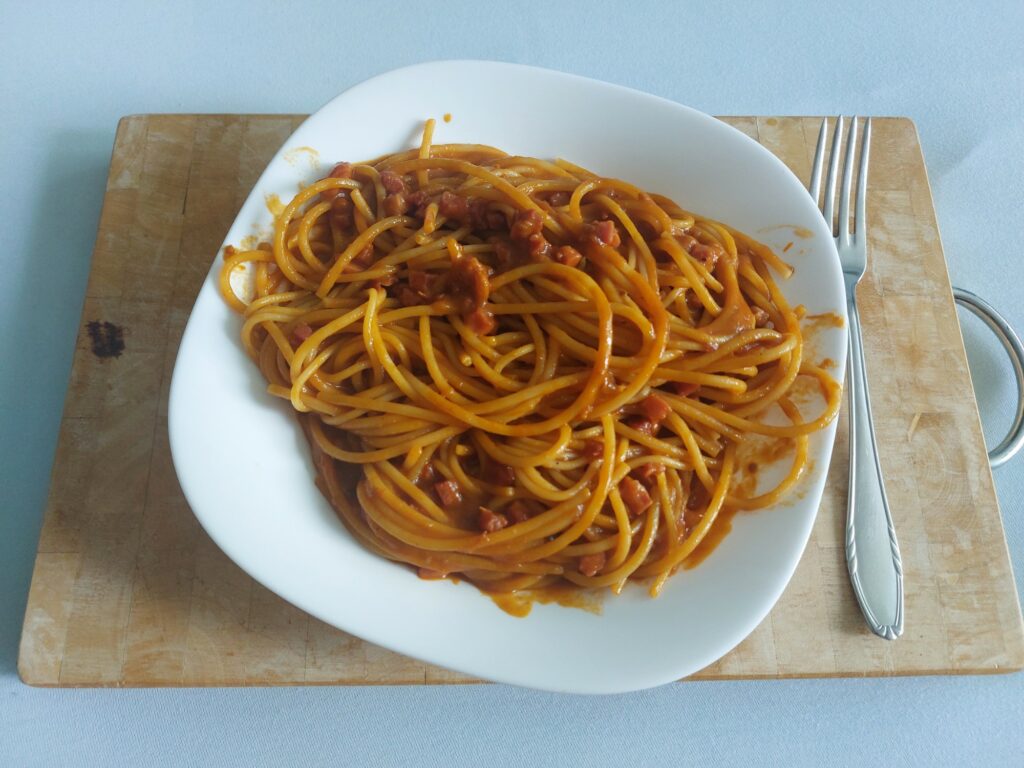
128,589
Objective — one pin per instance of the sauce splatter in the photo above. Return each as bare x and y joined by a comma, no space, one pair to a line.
824,320
758,454
710,542
519,604
762,450
788,246
107,339
801,232
813,328
447,117
808,393
274,205
294,155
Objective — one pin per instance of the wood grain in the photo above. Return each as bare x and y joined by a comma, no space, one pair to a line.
129,591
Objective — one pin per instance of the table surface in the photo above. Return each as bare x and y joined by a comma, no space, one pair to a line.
67,74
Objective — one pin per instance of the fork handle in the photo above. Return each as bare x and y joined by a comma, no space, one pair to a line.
872,552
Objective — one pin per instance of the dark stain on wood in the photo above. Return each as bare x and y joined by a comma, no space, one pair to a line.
107,339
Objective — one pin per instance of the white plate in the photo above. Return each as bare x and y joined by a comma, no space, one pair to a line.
245,467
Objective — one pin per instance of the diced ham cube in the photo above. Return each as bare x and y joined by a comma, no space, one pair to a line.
491,521
468,283
538,247
591,565
417,202
684,388
518,511
634,495
527,223
428,474
641,424
395,204
499,474
339,171
655,409
392,182
449,494
606,233
453,206
568,256
648,473
709,254
408,297
503,254
481,321
341,209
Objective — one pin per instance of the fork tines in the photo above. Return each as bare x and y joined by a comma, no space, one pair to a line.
841,228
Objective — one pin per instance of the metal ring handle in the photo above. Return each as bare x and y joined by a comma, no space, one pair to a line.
1013,441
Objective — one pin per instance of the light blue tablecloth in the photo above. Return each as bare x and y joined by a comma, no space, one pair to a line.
68,71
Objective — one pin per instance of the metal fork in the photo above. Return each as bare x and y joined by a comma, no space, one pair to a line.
872,552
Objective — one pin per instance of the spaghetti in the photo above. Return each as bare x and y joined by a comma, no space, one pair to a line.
520,373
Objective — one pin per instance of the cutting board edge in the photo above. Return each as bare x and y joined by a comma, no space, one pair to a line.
29,678
411,681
